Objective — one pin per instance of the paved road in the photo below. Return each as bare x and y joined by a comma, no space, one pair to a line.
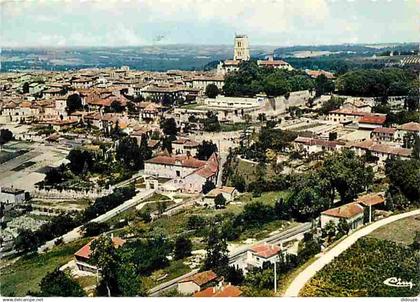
130,180
76,233
275,239
235,255
300,281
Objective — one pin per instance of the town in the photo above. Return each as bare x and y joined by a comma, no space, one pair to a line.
255,178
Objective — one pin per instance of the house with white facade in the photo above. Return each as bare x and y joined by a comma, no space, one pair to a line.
308,145
186,173
352,213
229,193
259,254
12,195
275,64
185,146
384,134
196,282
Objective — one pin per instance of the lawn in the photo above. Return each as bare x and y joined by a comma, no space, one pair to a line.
175,269
248,170
26,273
362,269
225,127
401,231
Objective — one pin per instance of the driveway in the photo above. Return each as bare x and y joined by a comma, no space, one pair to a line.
300,281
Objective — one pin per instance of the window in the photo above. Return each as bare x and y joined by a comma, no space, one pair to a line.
178,173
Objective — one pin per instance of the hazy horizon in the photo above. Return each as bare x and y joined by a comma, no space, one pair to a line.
147,23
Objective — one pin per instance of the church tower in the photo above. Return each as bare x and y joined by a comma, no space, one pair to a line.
241,48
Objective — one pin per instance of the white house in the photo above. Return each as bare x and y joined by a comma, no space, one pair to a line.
196,282
314,145
352,212
258,254
11,195
229,193
185,146
383,134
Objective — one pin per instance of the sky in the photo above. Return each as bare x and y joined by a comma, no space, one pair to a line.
68,23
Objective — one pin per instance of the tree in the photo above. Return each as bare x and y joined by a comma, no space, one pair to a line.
182,248
161,207
195,222
104,256
212,91
404,177
94,229
219,201
74,102
26,241
129,152
416,241
308,248
343,228
206,149
129,281
329,230
5,136
239,183
346,174
211,122
80,161
169,126
208,186
332,104
275,85
59,284
323,85
217,252
25,87
116,107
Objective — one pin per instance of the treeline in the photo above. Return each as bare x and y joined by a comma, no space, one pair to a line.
404,187
29,240
377,82
251,80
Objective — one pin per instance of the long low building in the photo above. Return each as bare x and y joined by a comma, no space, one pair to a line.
381,151
185,173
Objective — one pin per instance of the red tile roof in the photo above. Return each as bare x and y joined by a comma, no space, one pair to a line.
371,199
348,210
265,250
346,111
412,126
85,251
201,278
373,119
225,291
182,160
384,130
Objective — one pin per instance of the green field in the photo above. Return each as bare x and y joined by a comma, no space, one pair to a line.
248,170
401,231
25,274
362,269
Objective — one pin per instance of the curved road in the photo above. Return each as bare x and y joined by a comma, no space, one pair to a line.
300,281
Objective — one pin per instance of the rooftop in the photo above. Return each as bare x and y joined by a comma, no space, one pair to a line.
265,250
223,291
201,278
348,210
371,199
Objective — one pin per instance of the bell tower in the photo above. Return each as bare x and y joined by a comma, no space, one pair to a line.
241,48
